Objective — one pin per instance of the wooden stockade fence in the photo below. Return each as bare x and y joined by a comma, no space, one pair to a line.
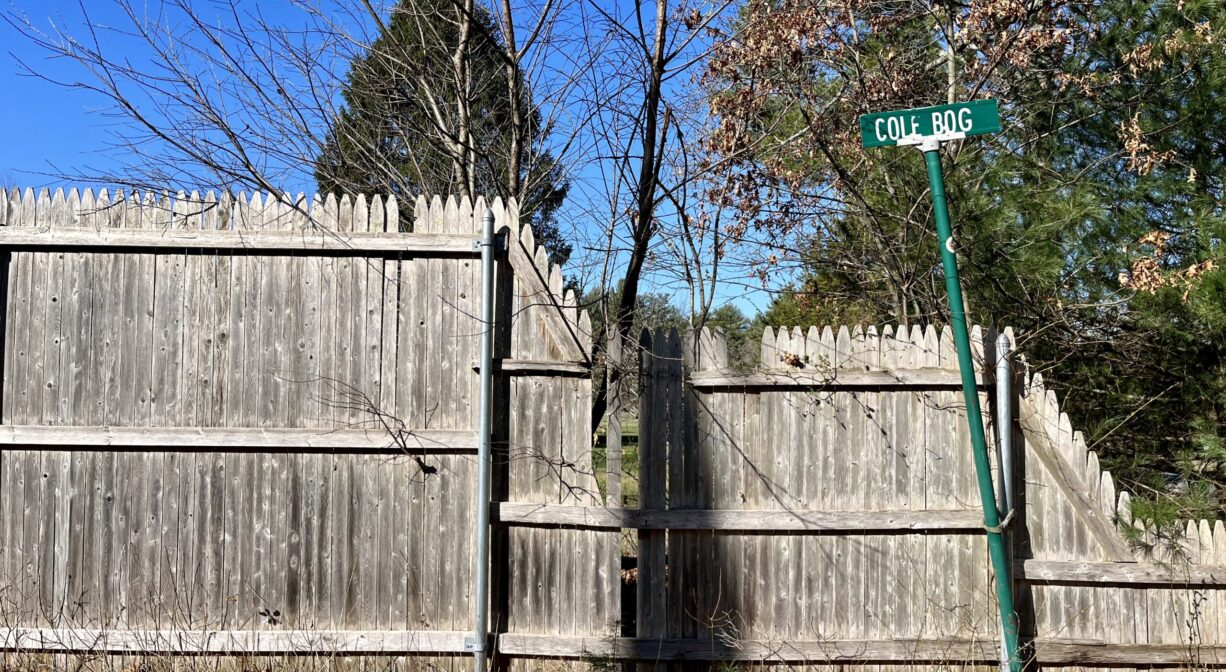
247,425
824,508
238,426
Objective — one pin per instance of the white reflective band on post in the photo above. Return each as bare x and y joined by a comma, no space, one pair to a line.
931,140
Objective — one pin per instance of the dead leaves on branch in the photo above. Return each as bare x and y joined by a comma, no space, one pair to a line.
1185,44
1148,275
1014,33
790,80
1142,157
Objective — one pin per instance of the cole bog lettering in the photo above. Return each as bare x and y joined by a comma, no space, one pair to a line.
942,122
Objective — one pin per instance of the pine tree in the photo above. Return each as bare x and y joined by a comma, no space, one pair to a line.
395,132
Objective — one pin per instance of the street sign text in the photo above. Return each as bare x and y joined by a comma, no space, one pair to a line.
942,122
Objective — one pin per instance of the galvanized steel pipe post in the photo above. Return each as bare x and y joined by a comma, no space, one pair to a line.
481,559
1004,424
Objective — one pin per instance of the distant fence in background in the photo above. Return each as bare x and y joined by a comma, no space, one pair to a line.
246,426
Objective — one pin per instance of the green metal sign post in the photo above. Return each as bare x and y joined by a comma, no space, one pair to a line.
926,128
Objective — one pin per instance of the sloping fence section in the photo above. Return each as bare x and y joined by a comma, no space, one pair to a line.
1104,588
247,425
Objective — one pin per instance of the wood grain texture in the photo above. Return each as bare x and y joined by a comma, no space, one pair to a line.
1121,573
163,642
197,468
1063,652
845,651
651,619
1047,451
535,284
255,438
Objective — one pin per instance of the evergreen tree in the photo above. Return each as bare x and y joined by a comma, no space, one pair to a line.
743,344
395,133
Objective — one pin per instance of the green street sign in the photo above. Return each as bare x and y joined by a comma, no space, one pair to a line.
941,122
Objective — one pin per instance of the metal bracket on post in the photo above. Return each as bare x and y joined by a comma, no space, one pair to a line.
499,243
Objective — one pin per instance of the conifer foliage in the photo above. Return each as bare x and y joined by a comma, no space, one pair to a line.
426,111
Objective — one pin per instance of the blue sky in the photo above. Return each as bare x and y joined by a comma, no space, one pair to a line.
44,124
51,129
54,129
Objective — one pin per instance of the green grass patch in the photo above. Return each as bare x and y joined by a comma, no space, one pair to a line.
630,461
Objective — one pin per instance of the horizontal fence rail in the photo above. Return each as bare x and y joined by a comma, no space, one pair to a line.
393,643
417,441
907,652
246,643
739,521
835,379
1121,573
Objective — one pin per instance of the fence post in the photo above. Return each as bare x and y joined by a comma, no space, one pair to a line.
485,434
506,226
1004,455
1004,423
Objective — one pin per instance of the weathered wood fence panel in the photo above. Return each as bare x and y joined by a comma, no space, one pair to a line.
246,540
872,427
190,338
562,581
162,359
247,425
833,444
1159,595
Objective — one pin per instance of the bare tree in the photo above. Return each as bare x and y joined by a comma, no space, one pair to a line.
227,98
643,94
